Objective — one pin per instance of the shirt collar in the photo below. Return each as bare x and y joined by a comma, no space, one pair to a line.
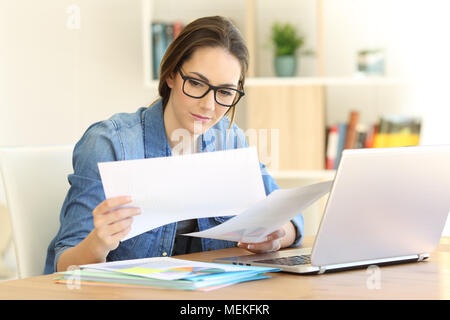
156,143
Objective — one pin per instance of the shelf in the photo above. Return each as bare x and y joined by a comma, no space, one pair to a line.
308,81
325,81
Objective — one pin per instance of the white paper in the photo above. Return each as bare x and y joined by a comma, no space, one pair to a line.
268,215
176,188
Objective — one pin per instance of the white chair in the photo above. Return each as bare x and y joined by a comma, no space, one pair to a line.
35,183
5,241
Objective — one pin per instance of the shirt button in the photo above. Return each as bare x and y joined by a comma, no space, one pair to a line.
164,254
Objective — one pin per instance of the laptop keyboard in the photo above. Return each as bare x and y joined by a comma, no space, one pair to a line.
289,261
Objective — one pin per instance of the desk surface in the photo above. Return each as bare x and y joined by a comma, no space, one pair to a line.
425,280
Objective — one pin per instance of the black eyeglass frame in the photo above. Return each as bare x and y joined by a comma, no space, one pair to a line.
211,87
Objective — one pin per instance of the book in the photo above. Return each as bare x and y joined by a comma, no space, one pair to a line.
342,133
351,130
162,36
163,272
159,46
177,27
103,278
404,132
361,136
168,29
389,131
397,131
380,139
370,136
332,147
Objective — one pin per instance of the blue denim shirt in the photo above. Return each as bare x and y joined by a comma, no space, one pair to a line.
128,136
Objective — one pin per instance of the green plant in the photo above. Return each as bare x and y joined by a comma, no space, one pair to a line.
286,39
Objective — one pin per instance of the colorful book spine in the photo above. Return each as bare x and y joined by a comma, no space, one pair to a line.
332,147
162,36
396,131
351,130
342,133
361,136
371,133
177,27
381,138
159,46
390,131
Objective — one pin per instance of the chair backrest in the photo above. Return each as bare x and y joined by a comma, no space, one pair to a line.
35,183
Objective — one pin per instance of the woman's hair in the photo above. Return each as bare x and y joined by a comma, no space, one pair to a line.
212,31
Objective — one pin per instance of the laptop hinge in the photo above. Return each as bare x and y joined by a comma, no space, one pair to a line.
322,270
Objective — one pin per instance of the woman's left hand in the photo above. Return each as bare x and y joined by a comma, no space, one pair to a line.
282,238
272,243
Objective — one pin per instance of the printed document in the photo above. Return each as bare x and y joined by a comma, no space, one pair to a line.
268,215
170,189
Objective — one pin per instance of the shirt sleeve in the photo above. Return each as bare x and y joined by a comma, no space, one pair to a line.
270,185
100,143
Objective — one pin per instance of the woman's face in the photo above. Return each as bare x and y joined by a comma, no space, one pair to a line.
217,67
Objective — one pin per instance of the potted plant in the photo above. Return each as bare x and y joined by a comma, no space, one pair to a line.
286,42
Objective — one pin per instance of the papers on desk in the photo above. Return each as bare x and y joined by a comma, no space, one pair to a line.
268,215
170,189
163,272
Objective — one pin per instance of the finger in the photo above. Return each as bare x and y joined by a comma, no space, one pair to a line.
111,203
120,235
278,234
117,215
264,246
118,226
261,247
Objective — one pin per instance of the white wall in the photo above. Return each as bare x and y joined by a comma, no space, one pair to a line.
302,15
54,80
414,35
424,33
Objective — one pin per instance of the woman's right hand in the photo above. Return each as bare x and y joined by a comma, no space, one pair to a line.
112,223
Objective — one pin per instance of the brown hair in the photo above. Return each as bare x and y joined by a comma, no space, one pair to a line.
212,31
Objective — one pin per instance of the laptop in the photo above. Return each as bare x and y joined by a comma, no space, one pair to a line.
386,206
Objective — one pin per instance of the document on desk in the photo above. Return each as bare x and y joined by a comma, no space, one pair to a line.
268,215
170,189
166,268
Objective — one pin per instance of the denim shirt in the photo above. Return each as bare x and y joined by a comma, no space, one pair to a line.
128,136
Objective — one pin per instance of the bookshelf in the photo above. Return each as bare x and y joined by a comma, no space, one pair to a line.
306,81
269,100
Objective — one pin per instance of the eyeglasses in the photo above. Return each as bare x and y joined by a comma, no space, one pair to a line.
196,88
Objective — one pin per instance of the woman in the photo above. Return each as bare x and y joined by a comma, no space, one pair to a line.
201,81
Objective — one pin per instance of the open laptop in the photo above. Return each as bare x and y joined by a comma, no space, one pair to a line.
386,206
